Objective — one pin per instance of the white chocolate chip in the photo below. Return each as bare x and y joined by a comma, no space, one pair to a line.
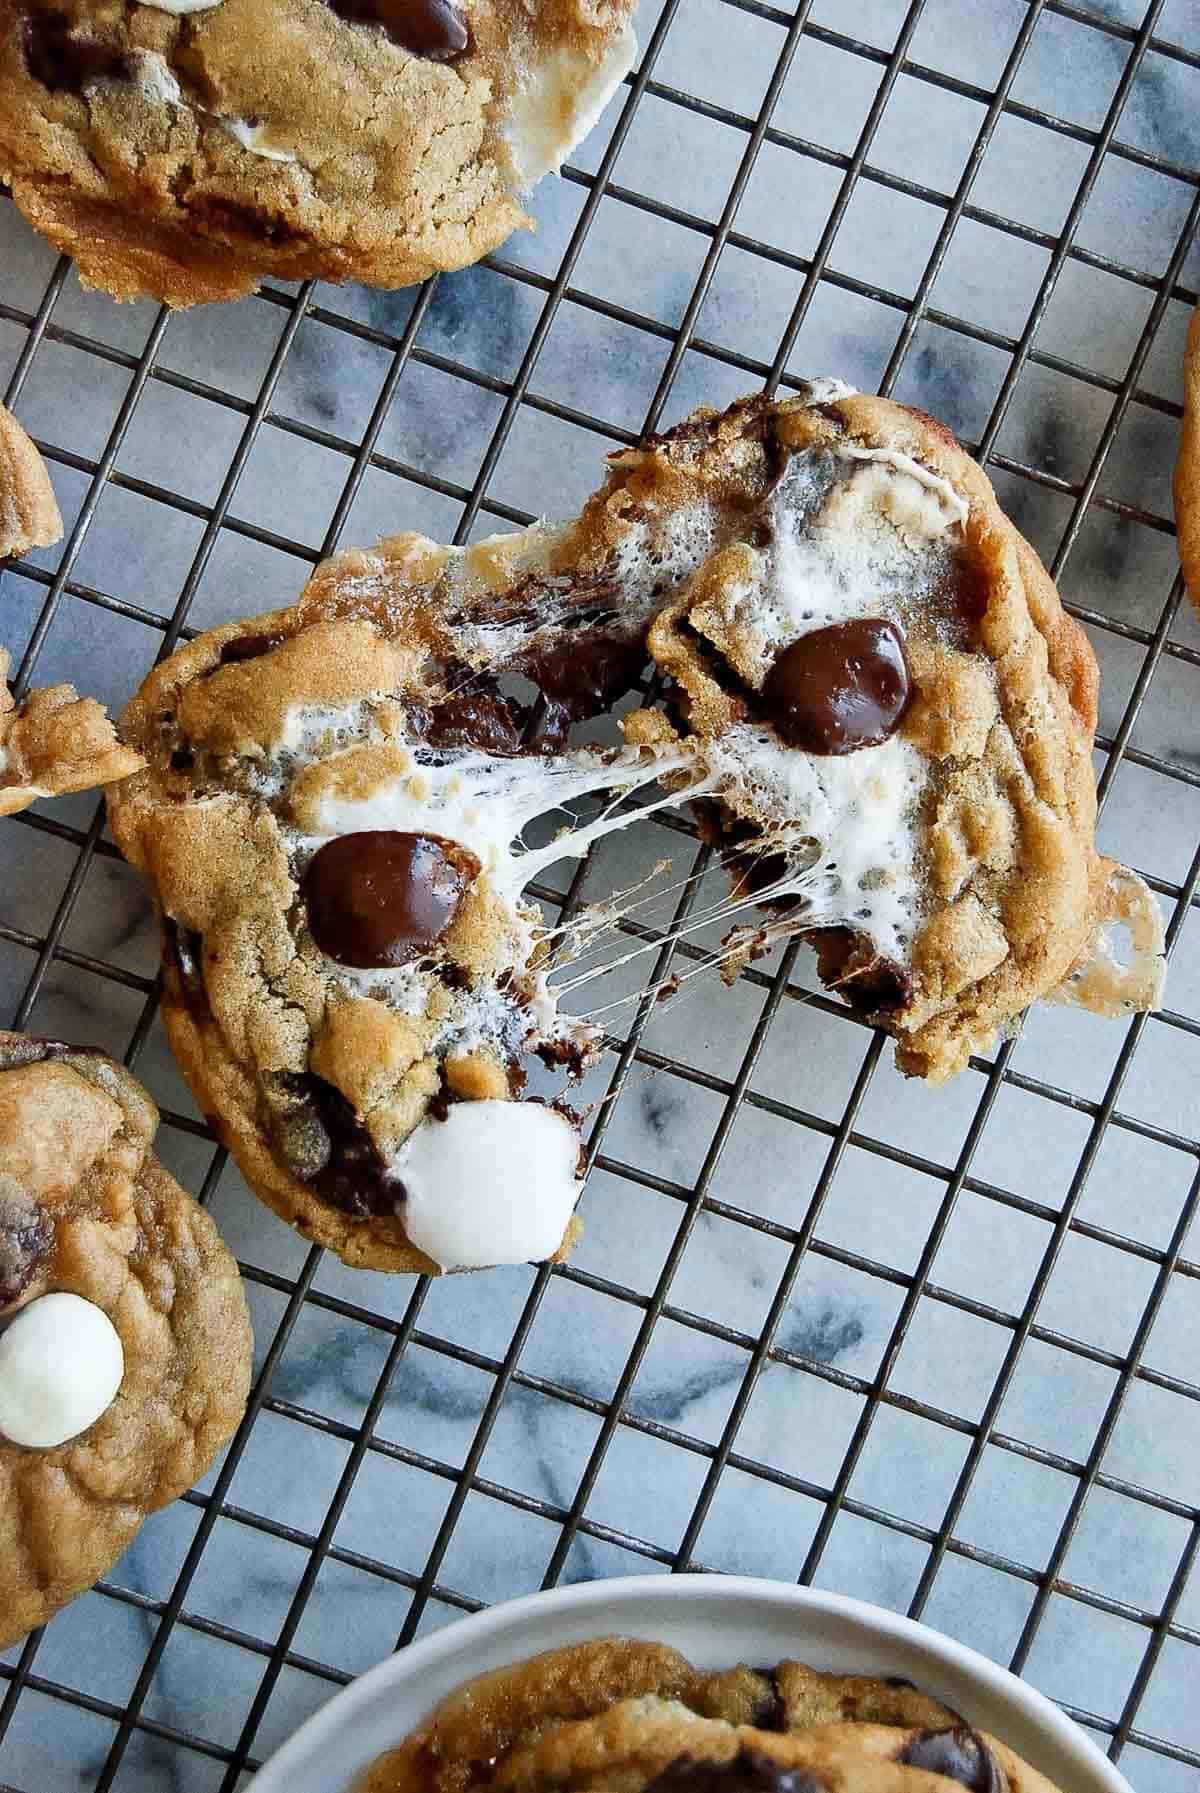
61,1364
494,1183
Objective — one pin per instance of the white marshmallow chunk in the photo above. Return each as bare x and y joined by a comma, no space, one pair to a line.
494,1183
61,1364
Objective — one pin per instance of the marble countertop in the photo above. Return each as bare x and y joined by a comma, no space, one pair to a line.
948,1228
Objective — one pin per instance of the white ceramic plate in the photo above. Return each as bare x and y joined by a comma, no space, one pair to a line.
715,1620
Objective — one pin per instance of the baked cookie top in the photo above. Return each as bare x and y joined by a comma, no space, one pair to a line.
618,1716
871,691
125,1349
54,741
188,148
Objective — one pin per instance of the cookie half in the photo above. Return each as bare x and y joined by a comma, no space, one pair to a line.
619,1715
125,1346
54,741
870,692
186,149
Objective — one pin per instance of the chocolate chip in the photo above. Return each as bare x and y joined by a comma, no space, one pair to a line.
325,1142
434,29
585,675
248,647
382,898
26,1239
750,1772
478,718
840,688
66,60
958,1754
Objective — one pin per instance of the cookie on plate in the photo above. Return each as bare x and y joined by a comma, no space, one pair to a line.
125,1344
1187,468
187,149
873,696
618,1716
55,740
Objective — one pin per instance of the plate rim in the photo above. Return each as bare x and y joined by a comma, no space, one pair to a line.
525,1610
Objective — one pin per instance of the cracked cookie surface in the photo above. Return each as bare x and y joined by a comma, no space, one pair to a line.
618,1715
871,695
89,1218
187,150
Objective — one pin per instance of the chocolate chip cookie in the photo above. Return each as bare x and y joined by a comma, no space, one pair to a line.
1187,468
125,1344
621,1715
869,691
55,740
186,149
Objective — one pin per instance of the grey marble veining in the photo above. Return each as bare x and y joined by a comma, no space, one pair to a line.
889,1189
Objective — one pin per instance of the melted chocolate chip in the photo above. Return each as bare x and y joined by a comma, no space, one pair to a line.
750,1772
586,675
26,1240
434,29
958,1754
66,60
248,647
382,897
840,688
326,1142
478,718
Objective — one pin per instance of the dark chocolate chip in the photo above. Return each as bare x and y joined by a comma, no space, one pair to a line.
585,675
900,1681
958,1754
325,1142
840,688
26,1240
750,1772
434,29
478,718
65,59
248,647
382,898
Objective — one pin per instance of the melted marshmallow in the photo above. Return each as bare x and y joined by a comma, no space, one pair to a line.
179,7
61,1364
156,78
558,103
494,1183
486,804
251,138
845,822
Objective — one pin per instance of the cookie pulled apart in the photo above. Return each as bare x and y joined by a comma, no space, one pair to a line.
618,1715
124,1339
869,693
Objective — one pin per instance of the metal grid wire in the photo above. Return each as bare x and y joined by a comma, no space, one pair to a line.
1160,1625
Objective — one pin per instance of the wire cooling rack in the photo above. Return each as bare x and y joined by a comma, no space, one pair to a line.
1062,1546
